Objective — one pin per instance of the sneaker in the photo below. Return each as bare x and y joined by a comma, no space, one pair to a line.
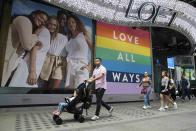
111,110
94,118
56,113
166,107
144,107
161,109
175,106
149,107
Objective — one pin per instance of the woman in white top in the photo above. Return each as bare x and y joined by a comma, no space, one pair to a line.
24,72
24,36
165,94
77,48
55,62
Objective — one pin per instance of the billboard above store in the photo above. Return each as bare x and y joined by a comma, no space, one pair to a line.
173,14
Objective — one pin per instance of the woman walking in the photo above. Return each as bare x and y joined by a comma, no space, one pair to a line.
146,90
164,94
172,89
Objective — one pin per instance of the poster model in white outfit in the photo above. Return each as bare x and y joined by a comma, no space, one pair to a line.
77,49
54,67
58,46
19,78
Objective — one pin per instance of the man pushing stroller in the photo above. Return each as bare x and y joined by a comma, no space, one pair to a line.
99,77
83,95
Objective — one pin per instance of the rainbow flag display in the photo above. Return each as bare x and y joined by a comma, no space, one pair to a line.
126,54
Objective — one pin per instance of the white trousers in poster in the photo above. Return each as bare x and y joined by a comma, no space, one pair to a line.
20,76
74,75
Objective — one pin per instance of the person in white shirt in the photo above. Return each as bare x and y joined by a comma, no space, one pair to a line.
99,77
77,49
25,75
24,32
54,67
165,94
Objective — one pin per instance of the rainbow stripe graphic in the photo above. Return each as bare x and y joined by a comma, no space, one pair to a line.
126,54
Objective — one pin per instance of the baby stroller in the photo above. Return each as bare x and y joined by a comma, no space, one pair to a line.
82,101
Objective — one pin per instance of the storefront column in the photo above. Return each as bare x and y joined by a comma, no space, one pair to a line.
4,26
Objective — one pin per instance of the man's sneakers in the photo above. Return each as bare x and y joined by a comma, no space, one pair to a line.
175,106
94,118
111,110
161,109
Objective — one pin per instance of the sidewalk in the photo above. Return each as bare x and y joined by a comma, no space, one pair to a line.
40,118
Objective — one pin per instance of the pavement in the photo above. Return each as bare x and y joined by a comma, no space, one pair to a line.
126,117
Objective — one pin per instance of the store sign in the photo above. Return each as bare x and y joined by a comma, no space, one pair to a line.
174,14
155,12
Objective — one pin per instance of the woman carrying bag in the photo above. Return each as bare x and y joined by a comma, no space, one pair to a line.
146,90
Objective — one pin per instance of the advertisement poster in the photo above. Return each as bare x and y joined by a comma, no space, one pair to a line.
126,54
1,10
41,49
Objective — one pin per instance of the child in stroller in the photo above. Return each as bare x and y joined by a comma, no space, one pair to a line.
75,104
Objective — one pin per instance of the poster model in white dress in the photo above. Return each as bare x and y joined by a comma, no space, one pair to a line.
77,57
19,78
58,46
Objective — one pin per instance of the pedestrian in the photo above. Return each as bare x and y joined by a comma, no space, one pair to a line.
172,89
146,90
172,93
185,87
164,94
99,77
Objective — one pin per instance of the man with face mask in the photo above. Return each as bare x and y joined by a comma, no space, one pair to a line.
99,77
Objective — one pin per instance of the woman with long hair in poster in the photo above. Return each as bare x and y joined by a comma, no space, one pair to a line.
31,62
77,48
53,70
24,30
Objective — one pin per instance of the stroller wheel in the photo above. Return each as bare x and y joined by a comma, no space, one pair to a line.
57,120
81,119
76,117
55,117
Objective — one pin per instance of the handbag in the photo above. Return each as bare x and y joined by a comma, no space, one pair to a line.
144,90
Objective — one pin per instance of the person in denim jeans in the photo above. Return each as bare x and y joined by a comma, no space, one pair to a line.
146,90
185,87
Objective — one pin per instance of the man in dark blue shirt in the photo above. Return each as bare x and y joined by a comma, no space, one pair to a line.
185,86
